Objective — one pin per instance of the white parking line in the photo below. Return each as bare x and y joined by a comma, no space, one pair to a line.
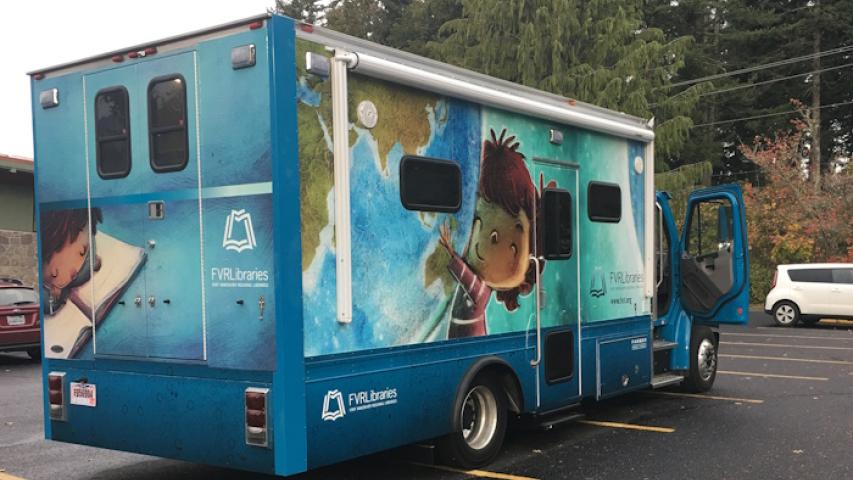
772,375
786,359
732,334
780,345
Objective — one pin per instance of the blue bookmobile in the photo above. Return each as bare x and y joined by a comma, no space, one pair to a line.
272,247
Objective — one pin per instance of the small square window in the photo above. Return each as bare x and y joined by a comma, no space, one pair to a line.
167,124
557,216
604,202
430,184
112,132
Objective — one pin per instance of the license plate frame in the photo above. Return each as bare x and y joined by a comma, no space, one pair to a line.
15,320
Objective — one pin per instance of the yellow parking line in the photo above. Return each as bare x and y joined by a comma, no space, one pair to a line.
772,375
629,426
472,473
709,397
786,359
752,344
6,476
732,334
836,321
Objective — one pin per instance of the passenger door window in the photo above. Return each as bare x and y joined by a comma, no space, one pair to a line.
112,132
167,123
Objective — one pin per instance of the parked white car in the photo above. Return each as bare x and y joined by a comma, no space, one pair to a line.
808,292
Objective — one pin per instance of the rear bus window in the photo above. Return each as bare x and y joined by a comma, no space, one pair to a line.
604,202
167,123
430,184
112,132
557,215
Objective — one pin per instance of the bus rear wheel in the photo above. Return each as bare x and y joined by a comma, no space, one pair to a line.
479,425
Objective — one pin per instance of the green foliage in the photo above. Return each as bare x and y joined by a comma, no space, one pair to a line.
597,51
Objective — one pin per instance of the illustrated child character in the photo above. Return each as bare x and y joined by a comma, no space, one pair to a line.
497,256
65,251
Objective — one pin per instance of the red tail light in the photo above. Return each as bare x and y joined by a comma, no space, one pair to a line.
257,424
775,277
256,25
56,395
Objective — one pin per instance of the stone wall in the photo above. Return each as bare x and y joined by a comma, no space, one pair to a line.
18,256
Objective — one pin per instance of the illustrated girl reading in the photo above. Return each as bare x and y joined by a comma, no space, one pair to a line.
65,251
497,256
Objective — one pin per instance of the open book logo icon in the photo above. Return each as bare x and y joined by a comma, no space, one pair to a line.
598,285
233,240
333,406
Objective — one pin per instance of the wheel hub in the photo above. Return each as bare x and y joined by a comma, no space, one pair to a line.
785,314
707,356
479,417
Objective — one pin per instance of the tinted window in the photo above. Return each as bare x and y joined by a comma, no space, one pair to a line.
557,215
112,132
842,275
17,296
813,275
604,201
430,184
167,123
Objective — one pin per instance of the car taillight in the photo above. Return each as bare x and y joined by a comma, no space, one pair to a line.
775,277
257,418
56,395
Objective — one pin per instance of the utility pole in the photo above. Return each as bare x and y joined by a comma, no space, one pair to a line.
815,113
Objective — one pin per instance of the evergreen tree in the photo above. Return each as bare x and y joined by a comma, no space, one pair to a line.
598,51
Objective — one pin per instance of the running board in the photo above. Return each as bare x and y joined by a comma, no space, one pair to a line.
660,345
666,379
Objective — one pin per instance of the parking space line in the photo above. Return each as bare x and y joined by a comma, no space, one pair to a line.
786,359
732,334
707,397
755,344
472,473
6,476
836,321
628,426
772,375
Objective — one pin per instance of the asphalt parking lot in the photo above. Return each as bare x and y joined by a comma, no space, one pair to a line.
782,407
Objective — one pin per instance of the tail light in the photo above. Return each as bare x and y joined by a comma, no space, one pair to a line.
775,277
257,418
56,396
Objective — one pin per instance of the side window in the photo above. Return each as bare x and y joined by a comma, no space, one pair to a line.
604,202
112,132
711,228
663,267
811,275
167,123
842,275
557,215
430,184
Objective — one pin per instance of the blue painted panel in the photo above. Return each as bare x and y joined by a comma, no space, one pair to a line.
194,419
592,334
289,422
408,391
59,137
624,364
234,115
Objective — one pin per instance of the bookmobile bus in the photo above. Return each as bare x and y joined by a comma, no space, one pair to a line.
266,238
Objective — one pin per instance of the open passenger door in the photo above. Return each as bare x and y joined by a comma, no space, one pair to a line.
714,264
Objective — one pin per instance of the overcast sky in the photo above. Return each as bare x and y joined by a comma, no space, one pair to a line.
38,34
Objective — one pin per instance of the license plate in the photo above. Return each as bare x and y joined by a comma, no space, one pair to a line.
83,394
14,320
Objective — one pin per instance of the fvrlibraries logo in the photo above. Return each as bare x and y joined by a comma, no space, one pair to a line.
237,242
333,406
598,283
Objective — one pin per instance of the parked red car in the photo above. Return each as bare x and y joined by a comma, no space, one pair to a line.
19,318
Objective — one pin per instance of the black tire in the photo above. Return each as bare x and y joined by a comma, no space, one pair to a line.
477,437
34,353
703,360
786,314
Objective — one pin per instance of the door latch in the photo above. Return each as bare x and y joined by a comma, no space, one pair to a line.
151,300
137,301
262,304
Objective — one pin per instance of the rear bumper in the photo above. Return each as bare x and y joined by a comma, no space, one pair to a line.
20,339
